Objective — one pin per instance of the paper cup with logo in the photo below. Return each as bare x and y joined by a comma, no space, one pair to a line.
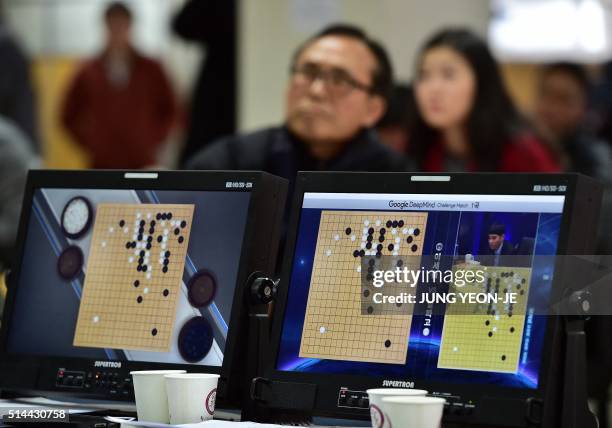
413,412
379,419
191,397
150,393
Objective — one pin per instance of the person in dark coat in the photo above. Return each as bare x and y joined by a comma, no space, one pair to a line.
498,247
338,90
211,23
17,101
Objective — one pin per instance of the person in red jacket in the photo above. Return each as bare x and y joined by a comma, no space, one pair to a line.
465,120
120,106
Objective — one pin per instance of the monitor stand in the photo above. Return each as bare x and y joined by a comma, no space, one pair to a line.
575,410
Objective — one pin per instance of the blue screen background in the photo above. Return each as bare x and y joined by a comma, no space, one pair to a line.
460,233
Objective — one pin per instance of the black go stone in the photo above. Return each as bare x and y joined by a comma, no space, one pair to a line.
159,238
122,223
370,309
166,292
181,239
389,223
177,231
348,231
390,247
183,224
139,299
165,269
136,283
400,223
154,332
371,231
416,232
387,343
414,248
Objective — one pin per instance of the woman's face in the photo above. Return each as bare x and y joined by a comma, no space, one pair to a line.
445,88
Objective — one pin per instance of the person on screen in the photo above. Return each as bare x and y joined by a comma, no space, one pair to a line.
120,106
465,120
498,246
338,89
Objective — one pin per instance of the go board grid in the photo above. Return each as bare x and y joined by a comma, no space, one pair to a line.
334,326
115,310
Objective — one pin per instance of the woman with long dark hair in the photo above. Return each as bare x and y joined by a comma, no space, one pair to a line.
465,120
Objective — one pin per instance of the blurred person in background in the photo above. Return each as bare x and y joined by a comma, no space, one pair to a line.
560,113
120,106
393,127
211,23
465,119
17,102
16,157
338,90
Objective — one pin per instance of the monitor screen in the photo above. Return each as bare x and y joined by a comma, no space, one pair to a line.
332,325
128,275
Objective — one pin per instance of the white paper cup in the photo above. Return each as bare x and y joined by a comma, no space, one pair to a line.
414,412
379,419
150,393
191,397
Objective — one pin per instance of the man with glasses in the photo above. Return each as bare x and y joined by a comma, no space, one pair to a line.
339,86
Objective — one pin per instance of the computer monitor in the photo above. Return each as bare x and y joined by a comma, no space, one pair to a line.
119,271
501,366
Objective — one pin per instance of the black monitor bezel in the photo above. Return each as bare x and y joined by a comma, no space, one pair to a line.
151,180
459,183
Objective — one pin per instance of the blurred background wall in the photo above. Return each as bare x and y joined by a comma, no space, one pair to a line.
59,34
